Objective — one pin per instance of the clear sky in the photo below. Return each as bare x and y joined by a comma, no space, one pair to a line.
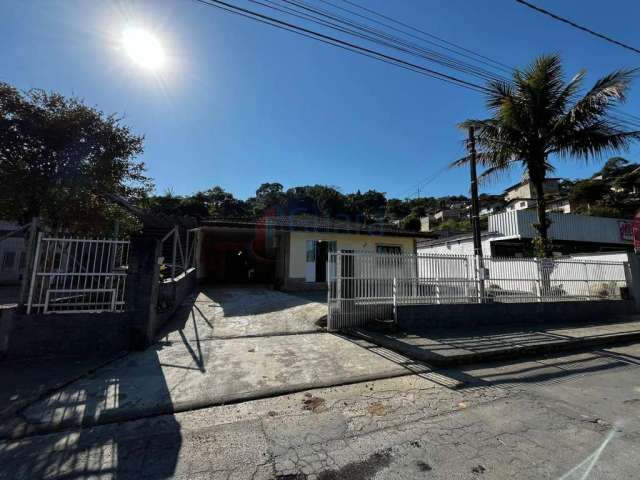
239,103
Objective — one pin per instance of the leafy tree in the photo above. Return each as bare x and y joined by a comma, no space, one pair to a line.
397,209
411,223
268,196
614,167
370,205
588,192
222,204
539,115
58,157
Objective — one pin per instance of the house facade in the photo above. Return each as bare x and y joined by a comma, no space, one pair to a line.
291,253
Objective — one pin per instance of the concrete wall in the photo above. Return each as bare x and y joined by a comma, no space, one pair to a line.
78,334
171,295
85,334
363,243
471,315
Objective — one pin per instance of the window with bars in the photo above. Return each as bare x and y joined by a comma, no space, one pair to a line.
392,249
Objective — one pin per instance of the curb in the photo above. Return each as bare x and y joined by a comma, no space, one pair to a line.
516,351
26,429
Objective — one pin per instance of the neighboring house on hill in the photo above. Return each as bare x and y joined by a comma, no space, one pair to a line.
559,205
525,189
290,252
448,213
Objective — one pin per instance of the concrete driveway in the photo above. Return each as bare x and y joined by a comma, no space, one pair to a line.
223,346
229,312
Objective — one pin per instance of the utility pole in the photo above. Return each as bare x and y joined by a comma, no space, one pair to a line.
475,213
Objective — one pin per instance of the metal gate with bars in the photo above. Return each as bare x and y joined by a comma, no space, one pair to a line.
73,275
366,286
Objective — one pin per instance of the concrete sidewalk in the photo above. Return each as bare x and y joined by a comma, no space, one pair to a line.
27,380
455,346
182,375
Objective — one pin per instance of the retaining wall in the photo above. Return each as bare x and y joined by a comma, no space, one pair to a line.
471,315
77,334
171,294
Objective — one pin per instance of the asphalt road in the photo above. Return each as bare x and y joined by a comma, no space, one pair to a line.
570,417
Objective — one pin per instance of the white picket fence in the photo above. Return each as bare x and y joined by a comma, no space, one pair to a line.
365,286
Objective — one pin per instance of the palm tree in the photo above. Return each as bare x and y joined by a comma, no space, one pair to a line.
538,115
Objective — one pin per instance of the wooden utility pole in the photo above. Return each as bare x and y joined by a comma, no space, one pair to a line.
475,214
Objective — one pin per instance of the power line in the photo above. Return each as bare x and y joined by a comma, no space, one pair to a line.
347,25
580,27
352,47
503,66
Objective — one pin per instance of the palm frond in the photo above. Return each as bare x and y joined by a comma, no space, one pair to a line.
595,140
606,92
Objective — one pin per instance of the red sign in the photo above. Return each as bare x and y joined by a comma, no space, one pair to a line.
626,229
635,232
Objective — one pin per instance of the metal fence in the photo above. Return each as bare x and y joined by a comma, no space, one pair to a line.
368,286
177,259
74,275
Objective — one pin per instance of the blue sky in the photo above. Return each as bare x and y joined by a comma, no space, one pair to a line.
240,103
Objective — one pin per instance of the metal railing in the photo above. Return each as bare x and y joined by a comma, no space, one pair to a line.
367,286
177,260
74,275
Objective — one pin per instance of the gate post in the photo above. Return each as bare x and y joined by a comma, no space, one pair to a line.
634,285
142,290
29,263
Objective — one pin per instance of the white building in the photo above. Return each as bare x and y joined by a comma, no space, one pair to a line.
510,234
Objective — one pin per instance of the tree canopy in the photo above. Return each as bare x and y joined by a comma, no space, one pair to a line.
59,156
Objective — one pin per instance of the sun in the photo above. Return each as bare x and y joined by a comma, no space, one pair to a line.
143,48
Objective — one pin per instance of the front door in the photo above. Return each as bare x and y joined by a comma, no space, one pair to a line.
317,255
322,255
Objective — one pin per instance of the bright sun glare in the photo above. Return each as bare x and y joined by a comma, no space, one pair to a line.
143,48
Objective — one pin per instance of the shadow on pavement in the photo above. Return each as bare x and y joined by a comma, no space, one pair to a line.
56,448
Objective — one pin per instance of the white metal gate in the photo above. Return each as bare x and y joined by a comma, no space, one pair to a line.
369,286
74,275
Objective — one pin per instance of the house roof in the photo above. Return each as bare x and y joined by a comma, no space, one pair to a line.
315,224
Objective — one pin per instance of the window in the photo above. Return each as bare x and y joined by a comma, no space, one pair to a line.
311,250
8,260
393,249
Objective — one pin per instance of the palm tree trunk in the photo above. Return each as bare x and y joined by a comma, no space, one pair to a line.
541,206
543,229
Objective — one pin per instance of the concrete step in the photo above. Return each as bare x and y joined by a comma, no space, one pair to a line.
446,347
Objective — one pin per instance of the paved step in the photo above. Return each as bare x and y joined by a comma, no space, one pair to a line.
445,347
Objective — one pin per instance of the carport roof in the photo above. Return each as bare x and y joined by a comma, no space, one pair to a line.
315,224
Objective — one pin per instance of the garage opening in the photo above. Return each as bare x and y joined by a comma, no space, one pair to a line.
237,256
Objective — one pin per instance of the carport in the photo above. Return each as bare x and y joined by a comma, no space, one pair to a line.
236,254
